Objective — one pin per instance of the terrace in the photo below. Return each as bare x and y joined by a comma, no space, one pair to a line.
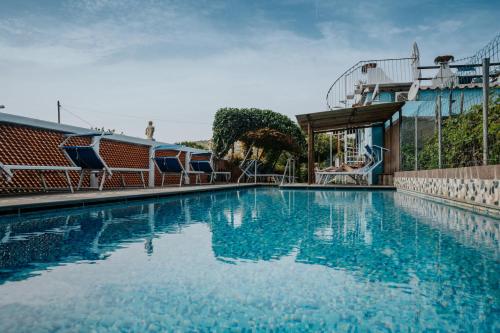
200,229
377,210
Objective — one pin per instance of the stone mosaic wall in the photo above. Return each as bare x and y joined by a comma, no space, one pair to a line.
473,185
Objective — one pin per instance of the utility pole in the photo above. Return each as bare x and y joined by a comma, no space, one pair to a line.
58,112
462,103
416,140
450,100
331,148
440,133
486,88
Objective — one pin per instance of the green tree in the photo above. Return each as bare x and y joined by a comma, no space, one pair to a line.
271,131
322,148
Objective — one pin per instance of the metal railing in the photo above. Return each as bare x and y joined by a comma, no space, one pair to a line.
348,88
248,170
289,173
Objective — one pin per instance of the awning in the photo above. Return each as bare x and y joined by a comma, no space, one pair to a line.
355,117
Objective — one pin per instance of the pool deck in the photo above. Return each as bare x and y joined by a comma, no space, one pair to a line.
26,203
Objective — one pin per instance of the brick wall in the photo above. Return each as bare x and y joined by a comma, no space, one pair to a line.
172,179
31,146
124,155
26,145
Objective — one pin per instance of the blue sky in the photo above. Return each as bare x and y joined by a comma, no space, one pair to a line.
119,64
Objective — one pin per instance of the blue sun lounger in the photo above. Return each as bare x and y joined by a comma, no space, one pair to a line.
88,159
206,167
171,165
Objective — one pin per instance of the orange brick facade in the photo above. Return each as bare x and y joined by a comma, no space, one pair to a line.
30,146
124,155
22,144
172,179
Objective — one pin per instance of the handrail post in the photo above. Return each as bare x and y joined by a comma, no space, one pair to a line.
486,81
255,172
440,133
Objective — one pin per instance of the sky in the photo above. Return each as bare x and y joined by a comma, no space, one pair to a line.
119,63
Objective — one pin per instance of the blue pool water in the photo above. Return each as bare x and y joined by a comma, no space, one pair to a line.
258,259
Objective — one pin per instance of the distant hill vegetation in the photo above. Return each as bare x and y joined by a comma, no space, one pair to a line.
200,144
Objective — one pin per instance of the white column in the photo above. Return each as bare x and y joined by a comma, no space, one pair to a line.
96,140
187,166
151,178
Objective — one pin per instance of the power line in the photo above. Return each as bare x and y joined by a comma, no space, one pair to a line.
137,117
77,116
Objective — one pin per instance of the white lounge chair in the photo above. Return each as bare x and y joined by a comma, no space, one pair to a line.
8,170
373,160
171,165
206,166
251,169
88,159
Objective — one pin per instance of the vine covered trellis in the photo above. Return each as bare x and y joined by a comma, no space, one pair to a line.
262,128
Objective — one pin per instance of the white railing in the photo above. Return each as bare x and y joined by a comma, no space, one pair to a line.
248,169
347,90
289,174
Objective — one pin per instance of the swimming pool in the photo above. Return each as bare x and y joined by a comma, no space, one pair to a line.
258,258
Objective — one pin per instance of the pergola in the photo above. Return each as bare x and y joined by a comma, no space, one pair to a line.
343,119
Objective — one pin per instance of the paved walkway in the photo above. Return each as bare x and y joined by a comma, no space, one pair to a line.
18,204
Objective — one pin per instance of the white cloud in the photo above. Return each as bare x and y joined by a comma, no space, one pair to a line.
169,62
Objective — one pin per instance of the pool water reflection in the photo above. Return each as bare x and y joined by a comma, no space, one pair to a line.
257,259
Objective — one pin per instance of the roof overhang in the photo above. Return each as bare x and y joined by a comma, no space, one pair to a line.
355,117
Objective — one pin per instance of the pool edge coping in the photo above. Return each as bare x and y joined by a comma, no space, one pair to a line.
114,197
473,207
124,196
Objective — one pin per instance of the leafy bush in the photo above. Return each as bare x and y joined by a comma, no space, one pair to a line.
250,127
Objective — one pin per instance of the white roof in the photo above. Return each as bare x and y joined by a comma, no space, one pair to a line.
32,122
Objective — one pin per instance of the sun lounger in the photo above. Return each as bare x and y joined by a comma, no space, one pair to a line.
88,159
373,159
171,165
251,169
206,167
8,170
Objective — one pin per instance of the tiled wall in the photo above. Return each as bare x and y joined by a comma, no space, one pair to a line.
173,179
473,185
125,155
34,146
30,146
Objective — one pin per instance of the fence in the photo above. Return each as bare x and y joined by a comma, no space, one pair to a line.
366,74
445,126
